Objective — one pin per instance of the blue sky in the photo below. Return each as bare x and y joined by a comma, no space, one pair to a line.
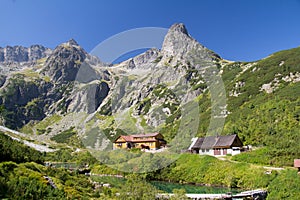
244,30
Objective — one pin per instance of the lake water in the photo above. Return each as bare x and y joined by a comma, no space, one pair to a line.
192,189
168,187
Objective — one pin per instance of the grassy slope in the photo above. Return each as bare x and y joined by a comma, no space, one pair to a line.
261,119
192,168
26,181
269,120
27,178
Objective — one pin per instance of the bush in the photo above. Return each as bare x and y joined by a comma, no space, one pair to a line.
285,186
12,150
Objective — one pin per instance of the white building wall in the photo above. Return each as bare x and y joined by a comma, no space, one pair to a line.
210,152
229,151
235,152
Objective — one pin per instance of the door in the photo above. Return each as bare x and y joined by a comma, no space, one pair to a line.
217,152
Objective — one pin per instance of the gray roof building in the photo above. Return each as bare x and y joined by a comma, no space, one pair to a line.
217,142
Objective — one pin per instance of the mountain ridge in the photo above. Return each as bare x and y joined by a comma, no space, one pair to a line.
150,91
23,54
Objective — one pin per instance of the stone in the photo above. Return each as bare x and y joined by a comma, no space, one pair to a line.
64,62
23,54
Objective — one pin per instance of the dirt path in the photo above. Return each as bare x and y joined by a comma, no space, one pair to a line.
265,167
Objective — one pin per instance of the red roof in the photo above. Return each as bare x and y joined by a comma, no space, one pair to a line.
127,138
139,137
145,135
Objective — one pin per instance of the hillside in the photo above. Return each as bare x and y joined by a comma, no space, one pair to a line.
178,90
30,180
263,101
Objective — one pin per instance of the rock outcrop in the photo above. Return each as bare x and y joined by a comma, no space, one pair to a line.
178,45
89,98
23,54
64,62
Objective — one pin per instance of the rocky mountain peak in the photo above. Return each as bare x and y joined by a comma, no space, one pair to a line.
72,42
178,27
178,45
64,62
69,50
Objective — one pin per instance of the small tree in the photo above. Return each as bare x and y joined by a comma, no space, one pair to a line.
137,188
179,194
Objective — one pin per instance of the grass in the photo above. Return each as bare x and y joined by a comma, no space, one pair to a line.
126,122
191,168
40,62
113,181
46,78
27,182
48,121
29,73
28,128
64,136
42,126
106,121
145,126
32,103
259,156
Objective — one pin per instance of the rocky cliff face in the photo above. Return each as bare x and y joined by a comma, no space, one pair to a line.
32,89
89,98
23,54
178,44
152,89
63,64
69,80
23,101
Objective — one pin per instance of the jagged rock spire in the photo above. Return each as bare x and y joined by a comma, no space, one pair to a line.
178,27
178,44
72,42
